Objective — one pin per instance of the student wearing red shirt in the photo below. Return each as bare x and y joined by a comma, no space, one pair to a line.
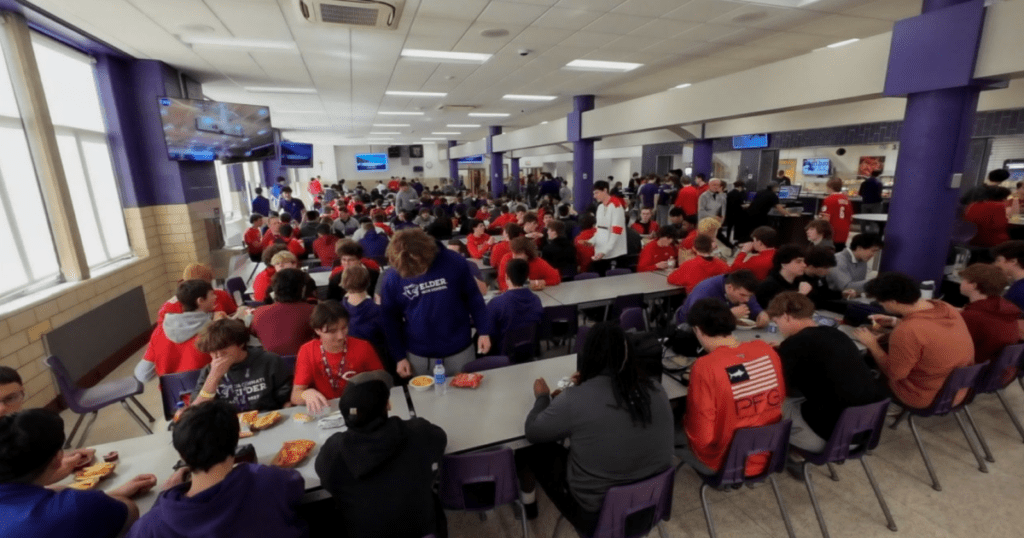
350,254
252,238
509,232
989,216
324,245
993,321
645,226
734,386
479,242
273,229
499,223
198,271
660,253
279,258
172,347
380,224
700,268
283,327
294,245
286,218
688,197
324,365
763,241
541,272
532,229
836,209
584,249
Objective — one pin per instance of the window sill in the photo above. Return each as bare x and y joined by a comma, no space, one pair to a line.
30,301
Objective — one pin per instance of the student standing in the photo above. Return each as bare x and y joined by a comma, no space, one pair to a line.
610,239
838,211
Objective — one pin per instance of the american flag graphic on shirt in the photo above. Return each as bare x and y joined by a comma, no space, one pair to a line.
752,377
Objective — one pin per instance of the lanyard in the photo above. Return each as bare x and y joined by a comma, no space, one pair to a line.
335,380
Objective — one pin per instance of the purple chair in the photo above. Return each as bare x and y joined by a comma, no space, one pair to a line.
999,374
773,439
486,363
581,336
962,378
172,386
320,269
617,272
856,433
93,399
288,364
520,344
633,319
481,481
236,285
585,276
558,322
634,509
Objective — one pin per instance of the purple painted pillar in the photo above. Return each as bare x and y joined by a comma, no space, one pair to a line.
582,154
702,158
514,172
453,167
497,162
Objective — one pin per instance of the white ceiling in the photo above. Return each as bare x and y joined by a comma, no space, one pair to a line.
678,41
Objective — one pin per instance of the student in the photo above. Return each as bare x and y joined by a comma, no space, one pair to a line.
279,259
424,219
252,238
509,232
699,268
618,422
284,237
247,377
172,346
787,275
734,386
222,498
989,215
478,242
762,245
293,206
374,243
610,239
993,321
677,220
979,193
542,274
735,290
286,218
324,245
308,227
517,306
531,228
558,250
198,271
762,204
734,225
838,211
926,345
382,226
325,364
345,224
821,260
688,197
851,270
823,369
584,247
819,234
1010,259
708,226
350,254
260,204
660,253
870,192
365,317
645,226
782,179
283,326
441,227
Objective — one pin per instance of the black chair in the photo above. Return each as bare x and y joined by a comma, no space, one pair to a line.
997,377
173,386
520,344
559,323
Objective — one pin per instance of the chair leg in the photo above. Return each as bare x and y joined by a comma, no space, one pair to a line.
782,507
136,417
891,523
970,443
67,442
924,454
806,471
661,531
141,408
977,433
522,512
832,472
707,510
1009,411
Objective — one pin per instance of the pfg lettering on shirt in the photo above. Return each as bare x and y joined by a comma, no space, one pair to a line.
754,386
413,291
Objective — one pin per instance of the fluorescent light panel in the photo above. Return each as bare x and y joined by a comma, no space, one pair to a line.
464,125
445,56
391,125
400,113
385,133
415,94
489,115
842,43
446,133
515,97
236,43
274,89
681,86
432,139
600,65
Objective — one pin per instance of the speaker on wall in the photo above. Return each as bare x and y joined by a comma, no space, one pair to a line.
395,151
416,152
841,151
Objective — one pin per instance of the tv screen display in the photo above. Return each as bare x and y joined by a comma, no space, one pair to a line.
296,155
416,151
789,192
372,162
817,167
750,141
395,151
476,159
208,130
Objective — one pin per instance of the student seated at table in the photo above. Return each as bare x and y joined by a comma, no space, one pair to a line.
325,364
501,248
542,274
989,215
308,227
645,225
734,386
661,253
735,290
247,377
199,271
558,249
532,229
283,326
819,234
699,268
618,422
478,242
253,238
821,260
823,369
762,245
365,320
677,220
787,275
506,217
926,344
993,321
276,257
285,237
425,218
516,307
381,471
851,271
172,346
584,249
708,226
222,498
374,243
324,245
1010,259
31,458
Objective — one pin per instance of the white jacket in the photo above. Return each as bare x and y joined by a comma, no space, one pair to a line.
610,238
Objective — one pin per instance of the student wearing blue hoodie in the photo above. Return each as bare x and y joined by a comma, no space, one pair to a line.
374,243
515,307
366,319
222,499
431,302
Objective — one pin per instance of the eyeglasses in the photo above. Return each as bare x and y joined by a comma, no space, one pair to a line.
14,398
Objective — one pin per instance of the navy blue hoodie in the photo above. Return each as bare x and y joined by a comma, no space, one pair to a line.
511,310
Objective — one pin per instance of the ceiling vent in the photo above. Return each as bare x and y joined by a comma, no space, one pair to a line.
456,108
381,14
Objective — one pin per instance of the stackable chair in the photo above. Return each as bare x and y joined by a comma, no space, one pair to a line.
622,302
585,276
91,400
486,363
320,269
236,285
998,376
559,322
634,509
632,319
617,272
480,482
172,386
520,344
855,434
581,336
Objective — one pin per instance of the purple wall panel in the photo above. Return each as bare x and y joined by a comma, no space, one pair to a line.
703,157
497,162
453,167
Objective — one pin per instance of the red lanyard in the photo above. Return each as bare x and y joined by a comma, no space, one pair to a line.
335,380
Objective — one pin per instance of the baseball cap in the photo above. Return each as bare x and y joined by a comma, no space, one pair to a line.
365,402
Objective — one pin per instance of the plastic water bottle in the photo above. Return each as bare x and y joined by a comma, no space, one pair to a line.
439,377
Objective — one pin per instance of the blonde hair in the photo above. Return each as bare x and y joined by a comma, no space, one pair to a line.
355,279
197,271
283,257
708,226
411,252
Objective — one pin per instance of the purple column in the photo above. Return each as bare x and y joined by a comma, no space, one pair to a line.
497,162
702,158
514,172
582,154
453,167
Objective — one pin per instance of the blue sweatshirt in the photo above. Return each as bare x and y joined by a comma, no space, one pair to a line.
713,287
374,244
430,315
366,321
511,310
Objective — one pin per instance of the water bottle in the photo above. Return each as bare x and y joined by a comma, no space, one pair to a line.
439,378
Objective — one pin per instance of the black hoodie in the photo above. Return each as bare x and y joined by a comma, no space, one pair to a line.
259,382
381,477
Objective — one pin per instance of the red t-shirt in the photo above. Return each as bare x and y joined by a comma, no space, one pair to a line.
539,270
253,241
171,358
732,388
283,327
687,199
225,303
310,372
367,262
584,250
687,242
760,264
261,285
323,246
315,187
697,270
501,221
651,227
990,218
652,255
293,245
498,251
478,245
393,185
837,209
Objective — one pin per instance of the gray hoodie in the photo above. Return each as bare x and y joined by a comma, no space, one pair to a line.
178,328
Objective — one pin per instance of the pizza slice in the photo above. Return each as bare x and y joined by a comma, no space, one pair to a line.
302,417
99,471
248,417
293,452
86,483
266,421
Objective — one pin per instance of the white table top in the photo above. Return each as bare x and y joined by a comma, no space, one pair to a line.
608,288
483,267
748,335
321,277
545,299
874,217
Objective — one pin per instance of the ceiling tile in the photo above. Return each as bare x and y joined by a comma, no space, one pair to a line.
617,24
574,19
706,32
891,10
701,10
633,43
647,8
453,10
509,13
845,27
594,5
763,54
795,41
253,19
664,27
588,39
533,36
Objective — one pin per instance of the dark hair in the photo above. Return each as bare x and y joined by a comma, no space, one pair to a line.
744,278
254,217
892,286
270,252
530,217
690,219
666,231
989,279
766,235
998,175
676,212
1011,250
206,434
348,247
287,189
323,229
513,230
288,285
312,215
190,291
712,316
606,351
786,254
588,221
285,217
327,313
221,334
822,226
739,183
866,240
821,257
259,190
835,184
601,185
702,243
997,194
286,231
876,173
523,245
29,440
793,303
517,271
520,208
9,375
557,226
355,279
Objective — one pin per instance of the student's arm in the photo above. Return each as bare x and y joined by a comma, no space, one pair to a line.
124,494
700,419
549,274
476,306
549,420
392,317
207,383
282,389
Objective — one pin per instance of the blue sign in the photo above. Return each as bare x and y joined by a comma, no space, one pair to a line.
750,141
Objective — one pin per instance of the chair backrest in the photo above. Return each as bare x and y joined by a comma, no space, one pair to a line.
633,319
71,392
320,269
772,439
633,300
634,509
859,427
617,272
288,364
581,336
960,379
520,343
479,481
486,363
172,386
559,320
234,285
585,276
1001,370
963,231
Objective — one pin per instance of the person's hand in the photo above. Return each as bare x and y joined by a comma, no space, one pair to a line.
661,265
537,285
540,388
805,288
740,311
866,337
74,460
404,368
881,320
219,367
483,344
598,256
315,402
849,294
747,247
575,378
219,315
136,486
175,479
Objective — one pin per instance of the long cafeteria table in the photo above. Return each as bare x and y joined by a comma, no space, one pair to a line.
606,289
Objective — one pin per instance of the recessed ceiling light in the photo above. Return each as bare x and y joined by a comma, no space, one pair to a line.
415,94
600,65
445,56
273,89
842,43
681,86
465,125
432,139
236,43
515,97
394,113
489,114
446,133
543,123
385,133
391,125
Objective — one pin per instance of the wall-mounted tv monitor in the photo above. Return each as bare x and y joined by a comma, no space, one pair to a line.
296,155
817,167
371,162
476,159
789,192
416,151
750,141
209,130
395,151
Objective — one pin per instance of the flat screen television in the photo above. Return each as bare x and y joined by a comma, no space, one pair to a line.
209,130
750,141
476,159
789,192
817,167
395,151
372,162
296,155
416,151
